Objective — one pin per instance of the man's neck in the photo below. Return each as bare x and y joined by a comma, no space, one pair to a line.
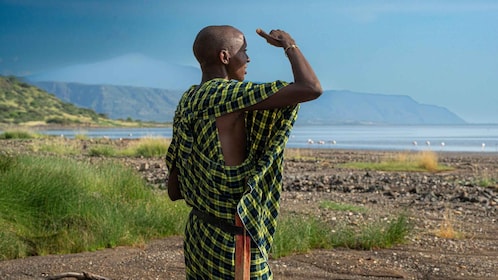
215,72
205,79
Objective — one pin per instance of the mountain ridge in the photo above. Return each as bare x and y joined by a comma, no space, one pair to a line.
333,107
119,102
375,108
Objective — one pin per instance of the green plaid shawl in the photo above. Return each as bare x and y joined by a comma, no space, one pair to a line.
253,188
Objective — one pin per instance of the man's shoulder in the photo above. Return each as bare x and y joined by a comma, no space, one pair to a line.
232,94
234,83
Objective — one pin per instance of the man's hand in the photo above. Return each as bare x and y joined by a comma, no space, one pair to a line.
277,38
306,85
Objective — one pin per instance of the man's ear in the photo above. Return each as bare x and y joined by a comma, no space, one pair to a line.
224,56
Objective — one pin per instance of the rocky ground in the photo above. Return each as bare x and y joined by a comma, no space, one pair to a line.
463,200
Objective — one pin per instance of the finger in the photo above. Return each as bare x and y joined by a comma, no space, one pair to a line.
263,34
269,38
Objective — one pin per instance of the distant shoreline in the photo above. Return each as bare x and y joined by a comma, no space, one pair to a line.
7,127
440,139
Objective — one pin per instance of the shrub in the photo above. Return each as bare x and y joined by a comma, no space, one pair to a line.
18,134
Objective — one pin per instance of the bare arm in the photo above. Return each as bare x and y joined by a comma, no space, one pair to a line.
306,85
173,185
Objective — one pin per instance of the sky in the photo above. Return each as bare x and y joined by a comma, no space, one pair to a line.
441,53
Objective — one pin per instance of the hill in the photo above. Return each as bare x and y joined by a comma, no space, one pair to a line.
336,107
24,104
333,107
118,102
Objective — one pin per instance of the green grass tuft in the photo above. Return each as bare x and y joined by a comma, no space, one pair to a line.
102,150
54,205
19,134
56,146
148,147
298,234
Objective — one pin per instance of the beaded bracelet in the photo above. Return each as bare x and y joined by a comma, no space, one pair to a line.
290,47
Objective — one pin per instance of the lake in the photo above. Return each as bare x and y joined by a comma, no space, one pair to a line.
465,138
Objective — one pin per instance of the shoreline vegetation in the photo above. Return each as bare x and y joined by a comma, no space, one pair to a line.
33,127
90,194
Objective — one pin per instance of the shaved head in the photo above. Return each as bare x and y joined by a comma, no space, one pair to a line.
213,39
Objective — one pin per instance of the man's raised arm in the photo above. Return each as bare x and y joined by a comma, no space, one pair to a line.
306,85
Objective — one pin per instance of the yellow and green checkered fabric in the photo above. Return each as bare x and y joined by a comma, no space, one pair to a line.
252,189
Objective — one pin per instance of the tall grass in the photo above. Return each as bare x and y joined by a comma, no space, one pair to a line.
19,134
299,154
427,160
421,161
485,178
148,147
447,229
297,234
57,146
54,205
144,147
102,150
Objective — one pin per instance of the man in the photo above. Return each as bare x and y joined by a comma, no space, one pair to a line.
225,158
